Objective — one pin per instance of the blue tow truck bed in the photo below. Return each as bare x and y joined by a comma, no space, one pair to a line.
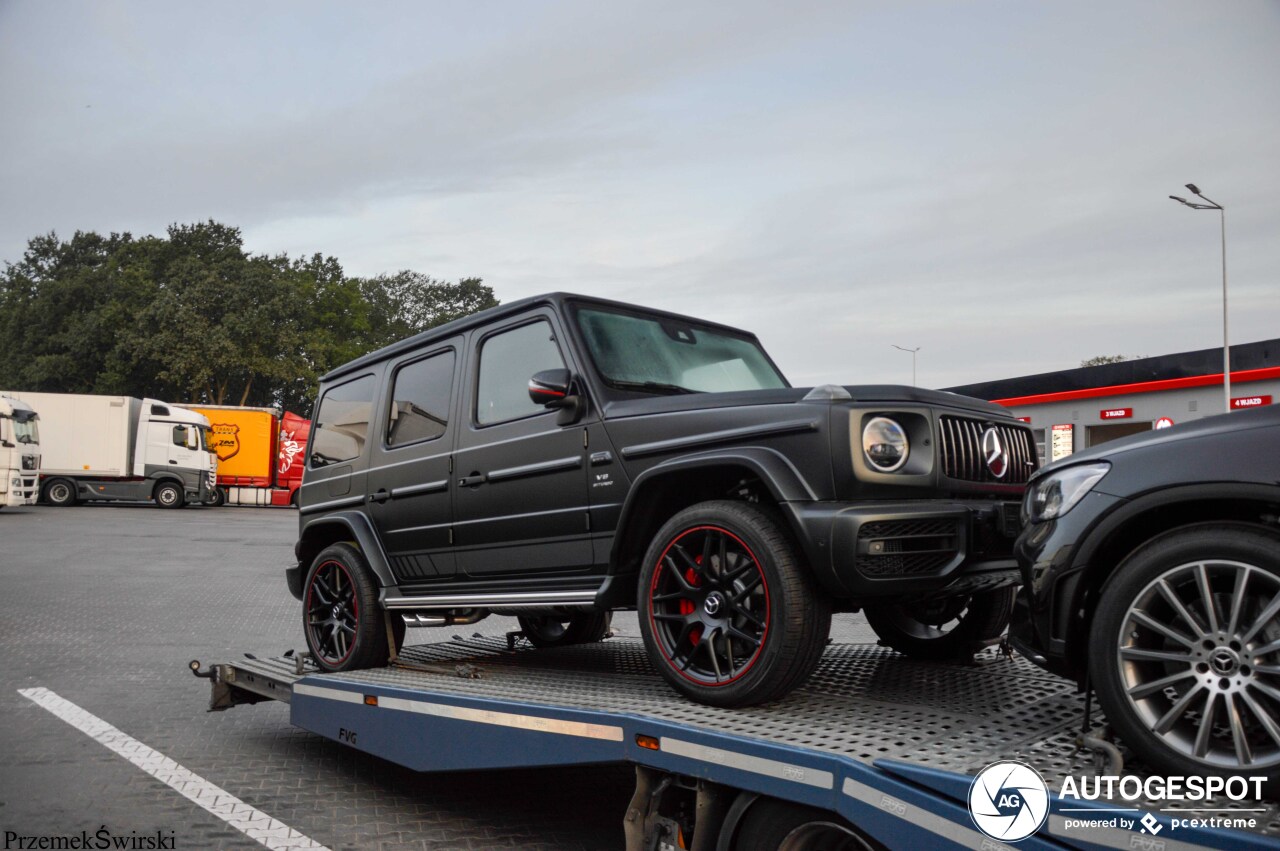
888,744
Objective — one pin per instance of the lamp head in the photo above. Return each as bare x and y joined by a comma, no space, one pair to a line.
1179,200
1193,188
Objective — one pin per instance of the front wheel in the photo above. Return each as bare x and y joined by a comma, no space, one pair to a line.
728,614
344,627
558,631
947,629
1185,651
169,495
217,497
60,492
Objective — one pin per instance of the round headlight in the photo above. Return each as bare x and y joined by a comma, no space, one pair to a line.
884,443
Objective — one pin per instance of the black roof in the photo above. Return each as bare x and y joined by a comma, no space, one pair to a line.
1264,353
512,308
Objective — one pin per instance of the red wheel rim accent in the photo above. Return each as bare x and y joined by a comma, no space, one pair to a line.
332,613
711,631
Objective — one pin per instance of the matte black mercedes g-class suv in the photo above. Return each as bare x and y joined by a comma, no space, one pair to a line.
560,457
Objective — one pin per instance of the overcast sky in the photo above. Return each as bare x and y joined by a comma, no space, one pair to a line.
986,181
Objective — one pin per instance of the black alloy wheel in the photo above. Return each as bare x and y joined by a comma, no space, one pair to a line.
943,629
564,630
345,629
169,495
727,614
1185,651
60,492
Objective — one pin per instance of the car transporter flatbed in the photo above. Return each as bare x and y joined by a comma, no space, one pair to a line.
887,743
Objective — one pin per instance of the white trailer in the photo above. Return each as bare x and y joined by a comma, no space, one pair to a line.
121,448
19,453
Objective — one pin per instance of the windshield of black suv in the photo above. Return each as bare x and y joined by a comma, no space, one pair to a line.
652,354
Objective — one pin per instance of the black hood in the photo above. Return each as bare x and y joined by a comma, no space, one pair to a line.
885,394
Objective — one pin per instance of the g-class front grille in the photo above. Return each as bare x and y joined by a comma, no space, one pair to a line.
907,547
963,457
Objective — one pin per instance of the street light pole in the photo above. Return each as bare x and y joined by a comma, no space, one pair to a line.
1226,346
913,360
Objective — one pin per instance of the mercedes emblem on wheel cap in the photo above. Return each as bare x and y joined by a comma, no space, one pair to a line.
712,604
993,451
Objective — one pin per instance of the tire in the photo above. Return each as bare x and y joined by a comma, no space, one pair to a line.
216,498
61,492
556,631
1216,650
169,495
344,626
774,825
951,629
728,615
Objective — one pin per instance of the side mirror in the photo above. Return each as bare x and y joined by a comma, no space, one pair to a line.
550,388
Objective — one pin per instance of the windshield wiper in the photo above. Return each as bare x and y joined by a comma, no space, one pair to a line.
651,387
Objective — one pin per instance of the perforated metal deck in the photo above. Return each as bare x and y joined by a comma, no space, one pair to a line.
864,702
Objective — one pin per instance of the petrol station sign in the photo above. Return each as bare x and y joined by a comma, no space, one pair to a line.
1249,402
1116,413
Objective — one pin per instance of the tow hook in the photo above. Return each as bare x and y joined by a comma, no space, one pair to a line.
194,665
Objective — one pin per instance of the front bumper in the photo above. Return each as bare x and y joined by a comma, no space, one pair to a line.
1052,565
21,487
919,547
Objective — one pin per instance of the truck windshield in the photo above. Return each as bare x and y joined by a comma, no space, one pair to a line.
26,431
206,438
654,354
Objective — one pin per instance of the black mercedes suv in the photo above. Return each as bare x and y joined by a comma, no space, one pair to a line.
561,457
1151,570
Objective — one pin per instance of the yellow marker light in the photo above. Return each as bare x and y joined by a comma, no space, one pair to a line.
647,742
370,700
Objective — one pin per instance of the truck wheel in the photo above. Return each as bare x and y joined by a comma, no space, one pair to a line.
728,615
557,631
343,623
60,492
216,498
774,825
169,495
1185,651
944,630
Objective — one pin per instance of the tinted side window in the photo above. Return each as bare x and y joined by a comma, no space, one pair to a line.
507,361
420,400
342,423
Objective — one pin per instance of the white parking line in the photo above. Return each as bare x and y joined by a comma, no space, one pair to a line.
249,820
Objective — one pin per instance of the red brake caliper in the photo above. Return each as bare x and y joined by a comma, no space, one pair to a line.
686,605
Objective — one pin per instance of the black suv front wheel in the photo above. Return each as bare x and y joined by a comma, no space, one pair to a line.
727,613
344,626
1185,651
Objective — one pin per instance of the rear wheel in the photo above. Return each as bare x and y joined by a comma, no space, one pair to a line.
945,629
216,498
728,614
344,627
169,495
60,492
1185,651
774,825
561,631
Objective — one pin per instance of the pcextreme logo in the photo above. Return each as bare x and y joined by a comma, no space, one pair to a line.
1008,801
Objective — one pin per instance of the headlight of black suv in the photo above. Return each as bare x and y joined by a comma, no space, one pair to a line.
885,444
1057,493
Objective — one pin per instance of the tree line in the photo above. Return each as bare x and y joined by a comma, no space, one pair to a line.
192,317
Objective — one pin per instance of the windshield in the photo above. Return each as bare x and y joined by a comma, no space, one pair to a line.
26,431
206,438
653,354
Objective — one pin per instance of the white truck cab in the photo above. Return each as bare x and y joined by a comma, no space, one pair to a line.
19,453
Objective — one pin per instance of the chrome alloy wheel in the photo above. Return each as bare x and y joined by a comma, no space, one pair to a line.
332,612
1199,660
709,606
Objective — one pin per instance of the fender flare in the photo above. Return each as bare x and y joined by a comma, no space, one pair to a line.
359,528
783,480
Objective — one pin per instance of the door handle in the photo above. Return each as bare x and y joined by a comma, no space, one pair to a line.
472,480
381,495
171,461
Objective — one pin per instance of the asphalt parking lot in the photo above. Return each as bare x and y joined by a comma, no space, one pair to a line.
104,605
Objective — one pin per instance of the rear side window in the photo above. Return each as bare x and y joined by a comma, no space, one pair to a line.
420,395
507,361
341,426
